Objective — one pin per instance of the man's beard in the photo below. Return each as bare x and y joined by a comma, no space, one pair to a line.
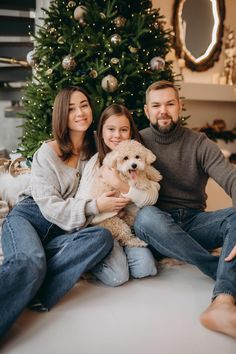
166,129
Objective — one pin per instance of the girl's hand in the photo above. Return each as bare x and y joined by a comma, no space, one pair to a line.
111,177
107,203
232,255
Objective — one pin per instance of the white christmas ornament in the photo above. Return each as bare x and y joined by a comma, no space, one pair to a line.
109,83
157,63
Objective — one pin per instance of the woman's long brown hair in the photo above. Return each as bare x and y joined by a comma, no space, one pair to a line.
118,110
60,125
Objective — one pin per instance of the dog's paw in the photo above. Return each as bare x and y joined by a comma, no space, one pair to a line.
135,242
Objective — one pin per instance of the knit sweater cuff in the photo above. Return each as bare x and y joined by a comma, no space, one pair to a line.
91,208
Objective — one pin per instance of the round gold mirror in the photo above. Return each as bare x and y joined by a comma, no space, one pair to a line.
199,28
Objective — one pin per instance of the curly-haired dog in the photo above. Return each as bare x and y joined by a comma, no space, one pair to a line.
133,162
11,187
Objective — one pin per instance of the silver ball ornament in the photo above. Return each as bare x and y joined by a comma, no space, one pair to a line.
119,21
68,62
79,12
115,39
109,83
157,63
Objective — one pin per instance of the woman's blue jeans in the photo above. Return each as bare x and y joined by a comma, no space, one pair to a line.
189,235
40,258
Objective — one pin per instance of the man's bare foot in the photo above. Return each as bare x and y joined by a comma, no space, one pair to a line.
220,316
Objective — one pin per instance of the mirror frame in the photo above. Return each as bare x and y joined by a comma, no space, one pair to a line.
179,45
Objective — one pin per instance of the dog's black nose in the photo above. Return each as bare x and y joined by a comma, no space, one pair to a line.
134,166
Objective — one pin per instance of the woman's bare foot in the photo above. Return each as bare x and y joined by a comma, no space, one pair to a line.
220,316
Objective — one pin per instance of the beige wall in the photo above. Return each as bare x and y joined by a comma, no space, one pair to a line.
166,9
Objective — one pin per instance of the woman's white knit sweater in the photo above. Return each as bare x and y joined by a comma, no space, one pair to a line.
53,186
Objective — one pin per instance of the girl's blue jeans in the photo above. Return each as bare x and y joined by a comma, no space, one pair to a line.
189,235
123,263
40,258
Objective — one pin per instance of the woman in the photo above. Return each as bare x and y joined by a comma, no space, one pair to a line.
45,252
116,124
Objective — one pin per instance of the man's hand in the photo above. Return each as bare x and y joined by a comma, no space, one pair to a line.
232,255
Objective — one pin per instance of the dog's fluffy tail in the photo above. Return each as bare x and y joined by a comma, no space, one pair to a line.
12,187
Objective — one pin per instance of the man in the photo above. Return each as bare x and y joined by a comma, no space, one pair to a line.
178,226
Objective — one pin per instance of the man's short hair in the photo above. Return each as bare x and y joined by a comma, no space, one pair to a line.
159,85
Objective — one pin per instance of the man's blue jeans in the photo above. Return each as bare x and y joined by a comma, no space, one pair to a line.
189,235
41,258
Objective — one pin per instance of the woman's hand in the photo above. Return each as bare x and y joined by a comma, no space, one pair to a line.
232,255
107,203
111,177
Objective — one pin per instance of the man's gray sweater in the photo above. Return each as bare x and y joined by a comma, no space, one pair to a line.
186,159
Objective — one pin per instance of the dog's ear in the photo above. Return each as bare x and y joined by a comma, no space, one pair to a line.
150,157
110,159
153,174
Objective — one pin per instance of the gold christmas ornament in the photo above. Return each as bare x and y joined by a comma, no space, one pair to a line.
49,72
71,4
30,58
119,21
157,63
156,25
79,12
103,16
114,61
133,49
93,74
109,83
115,39
52,30
60,40
68,62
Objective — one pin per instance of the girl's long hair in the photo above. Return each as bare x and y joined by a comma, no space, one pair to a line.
118,110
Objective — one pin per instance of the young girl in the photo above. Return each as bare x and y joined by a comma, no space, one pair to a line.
45,252
116,124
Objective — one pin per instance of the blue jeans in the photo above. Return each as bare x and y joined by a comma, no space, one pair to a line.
189,235
124,262
40,258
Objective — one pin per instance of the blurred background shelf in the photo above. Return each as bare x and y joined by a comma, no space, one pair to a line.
208,92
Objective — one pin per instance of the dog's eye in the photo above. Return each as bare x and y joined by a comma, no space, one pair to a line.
126,158
137,157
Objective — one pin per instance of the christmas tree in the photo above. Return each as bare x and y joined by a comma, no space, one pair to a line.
113,48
